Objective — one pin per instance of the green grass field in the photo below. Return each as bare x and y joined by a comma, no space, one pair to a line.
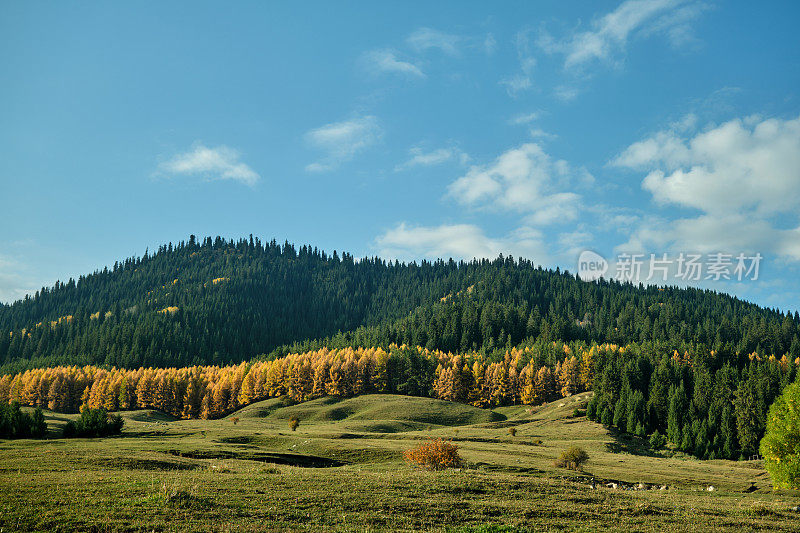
343,470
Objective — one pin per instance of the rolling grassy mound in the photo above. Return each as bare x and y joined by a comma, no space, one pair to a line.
383,413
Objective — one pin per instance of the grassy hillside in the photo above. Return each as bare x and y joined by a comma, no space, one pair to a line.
342,470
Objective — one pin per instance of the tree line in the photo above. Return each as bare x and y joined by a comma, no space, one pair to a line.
526,375
709,403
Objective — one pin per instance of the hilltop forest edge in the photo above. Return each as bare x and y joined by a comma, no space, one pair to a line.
698,366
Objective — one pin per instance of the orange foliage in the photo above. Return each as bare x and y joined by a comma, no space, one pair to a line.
213,391
434,455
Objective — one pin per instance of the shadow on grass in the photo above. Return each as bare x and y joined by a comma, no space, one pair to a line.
134,463
291,459
627,443
149,416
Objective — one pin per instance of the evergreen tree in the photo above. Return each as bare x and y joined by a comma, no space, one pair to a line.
678,404
749,415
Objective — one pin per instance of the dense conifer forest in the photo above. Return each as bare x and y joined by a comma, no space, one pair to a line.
200,329
218,301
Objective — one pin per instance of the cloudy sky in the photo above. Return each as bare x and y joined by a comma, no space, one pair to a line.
407,130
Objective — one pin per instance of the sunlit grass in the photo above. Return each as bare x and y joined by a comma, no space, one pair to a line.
165,474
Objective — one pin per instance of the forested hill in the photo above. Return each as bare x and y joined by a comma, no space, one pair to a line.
220,301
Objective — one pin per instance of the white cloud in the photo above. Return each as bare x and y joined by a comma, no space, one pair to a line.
538,133
733,234
742,176
220,163
525,180
687,123
517,83
420,158
525,118
730,168
459,241
572,243
610,34
489,44
677,23
386,61
426,38
566,93
341,141
521,81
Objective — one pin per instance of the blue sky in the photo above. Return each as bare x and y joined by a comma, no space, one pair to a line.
406,130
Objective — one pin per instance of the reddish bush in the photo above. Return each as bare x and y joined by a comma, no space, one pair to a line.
434,455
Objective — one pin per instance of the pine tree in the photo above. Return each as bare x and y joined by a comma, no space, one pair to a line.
678,403
621,413
749,415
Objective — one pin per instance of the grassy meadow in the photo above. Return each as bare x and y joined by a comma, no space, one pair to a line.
343,470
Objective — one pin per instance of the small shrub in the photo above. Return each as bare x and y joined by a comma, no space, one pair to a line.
576,413
294,422
572,458
512,431
434,455
657,440
235,420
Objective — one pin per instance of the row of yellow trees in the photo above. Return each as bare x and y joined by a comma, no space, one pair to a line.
212,391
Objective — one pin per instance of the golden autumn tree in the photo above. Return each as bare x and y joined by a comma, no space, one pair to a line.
193,398
247,392
475,395
587,367
527,385
144,393
568,376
